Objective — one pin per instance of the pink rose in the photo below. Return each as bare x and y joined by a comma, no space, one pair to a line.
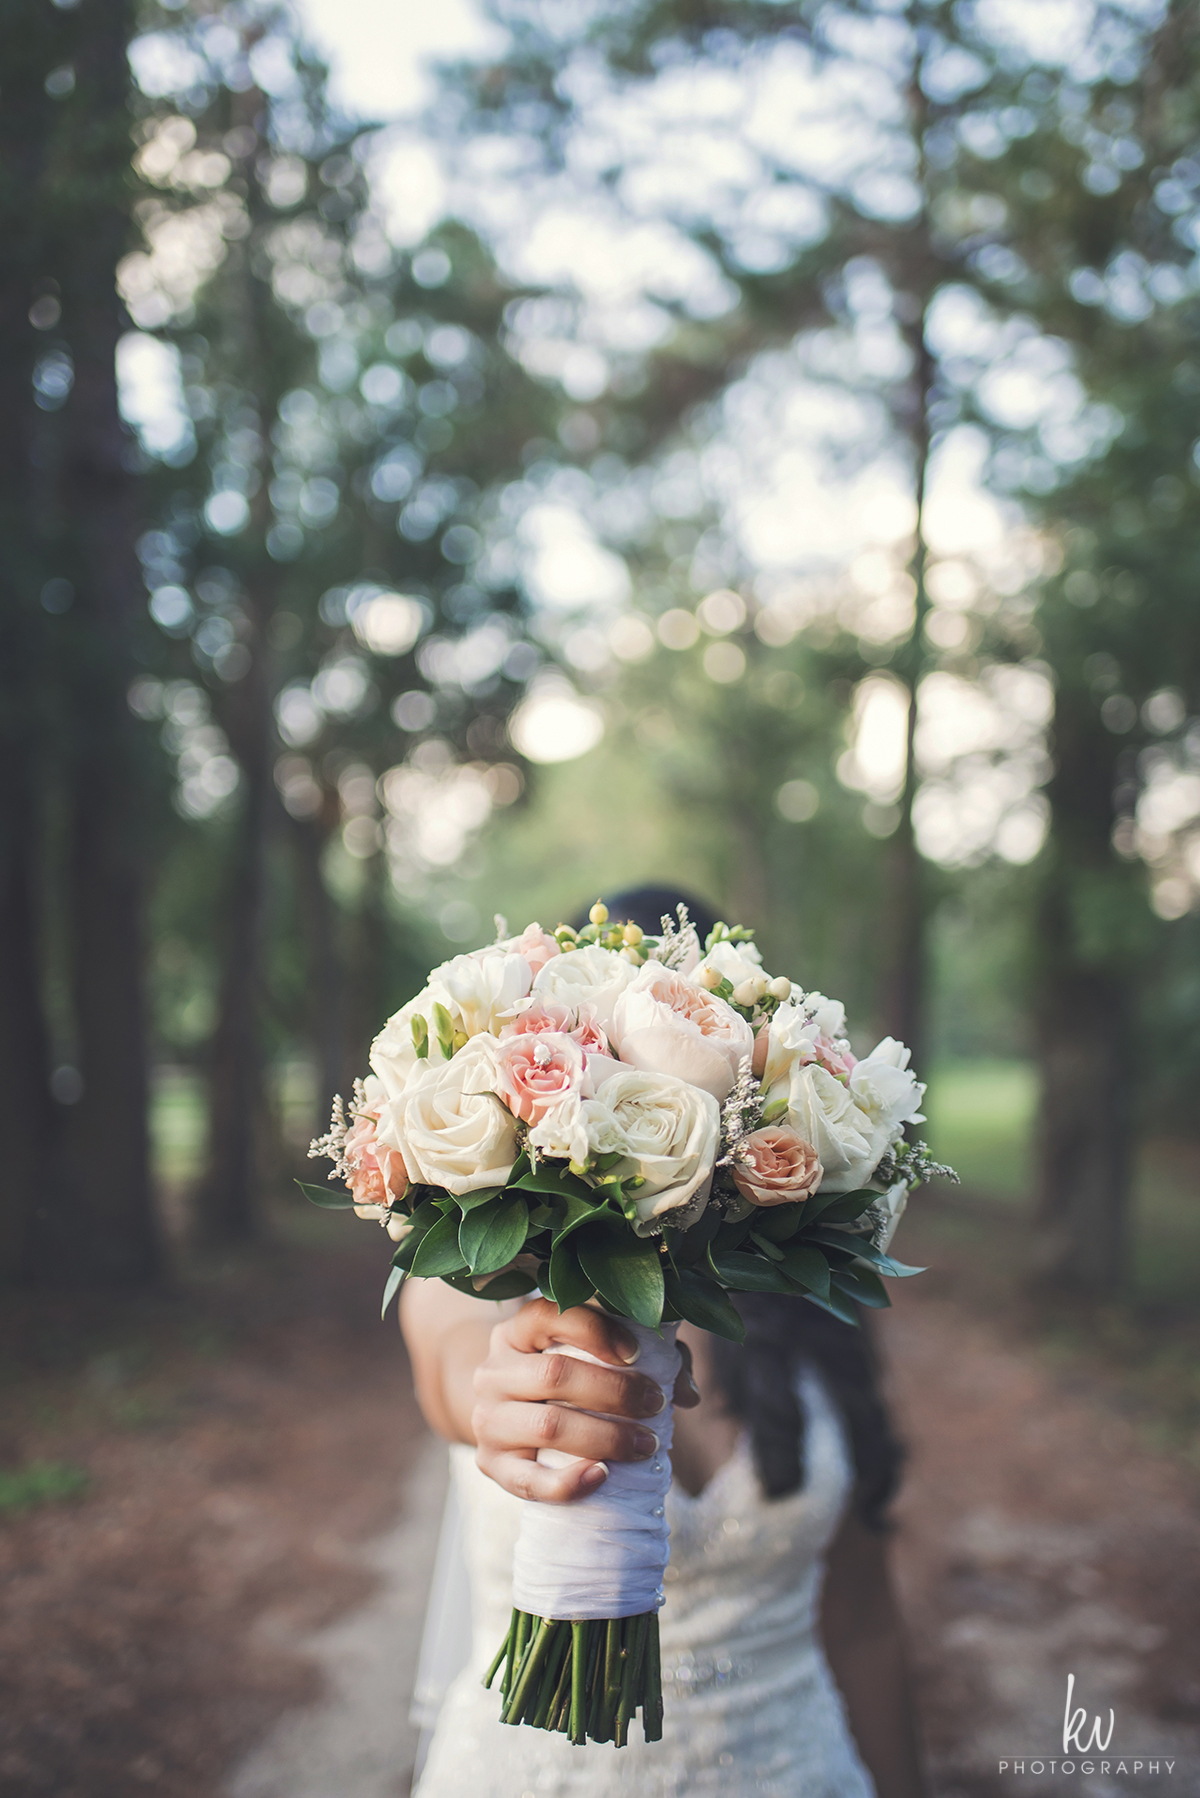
537,946
762,1042
776,1166
588,1034
536,1071
539,1015
377,1175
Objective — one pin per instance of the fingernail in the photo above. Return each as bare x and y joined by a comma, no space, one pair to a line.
595,1476
645,1442
629,1350
653,1400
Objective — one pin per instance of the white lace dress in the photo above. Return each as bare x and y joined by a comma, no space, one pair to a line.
750,1706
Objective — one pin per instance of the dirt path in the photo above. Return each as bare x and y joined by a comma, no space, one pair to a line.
1039,1538
232,1610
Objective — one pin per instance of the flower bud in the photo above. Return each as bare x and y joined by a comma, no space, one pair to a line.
780,989
708,978
746,994
632,934
761,985
599,913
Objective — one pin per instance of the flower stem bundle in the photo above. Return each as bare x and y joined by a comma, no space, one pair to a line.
587,1679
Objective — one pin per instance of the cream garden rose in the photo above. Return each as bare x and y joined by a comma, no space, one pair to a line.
451,1128
589,976
666,1131
665,1025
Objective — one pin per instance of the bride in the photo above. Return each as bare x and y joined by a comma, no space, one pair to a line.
782,1656
782,1465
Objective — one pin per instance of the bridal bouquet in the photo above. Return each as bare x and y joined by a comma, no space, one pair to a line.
650,1124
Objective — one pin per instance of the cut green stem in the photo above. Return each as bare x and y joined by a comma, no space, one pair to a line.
587,1678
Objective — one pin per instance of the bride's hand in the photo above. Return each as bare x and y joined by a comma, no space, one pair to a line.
526,1400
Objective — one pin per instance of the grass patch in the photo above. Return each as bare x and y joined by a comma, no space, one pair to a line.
41,1483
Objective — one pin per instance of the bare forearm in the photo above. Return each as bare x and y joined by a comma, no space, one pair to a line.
447,1337
872,1674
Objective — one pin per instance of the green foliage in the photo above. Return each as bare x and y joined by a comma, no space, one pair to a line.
41,1483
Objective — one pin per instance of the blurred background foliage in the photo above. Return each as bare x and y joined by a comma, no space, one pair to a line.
746,447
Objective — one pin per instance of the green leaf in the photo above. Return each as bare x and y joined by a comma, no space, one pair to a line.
511,1285
625,1269
547,1177
837,1306
865,1250
483,1195
438,1252
326,1197
491,1236
779,1222
840,1207
578,1211
766,1245
808,1267
747,1273
702,1303
569,1285
394,1282
862,1284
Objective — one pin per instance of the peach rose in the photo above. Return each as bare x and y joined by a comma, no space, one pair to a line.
536,945
377,1175
776,1166
665,1025
537,1071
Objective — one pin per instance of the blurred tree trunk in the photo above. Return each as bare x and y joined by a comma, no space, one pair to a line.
1084,1011
28,1120
310,838
907,902
108,1136
228,1209
366,1006
27,1113
240,1135
85,1191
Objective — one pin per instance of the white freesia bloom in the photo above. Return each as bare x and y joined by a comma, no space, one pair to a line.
588,976
848,1141
885,1088
736,961
667,1131
452,1129
394,1056
795,1029
562,1131
483,986
664,1024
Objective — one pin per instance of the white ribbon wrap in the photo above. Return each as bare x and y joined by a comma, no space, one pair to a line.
604,1555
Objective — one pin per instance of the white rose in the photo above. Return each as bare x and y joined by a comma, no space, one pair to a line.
588,976
667,1131
482,987
736,961
848,1141
885,1088
452,1129
664,1024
